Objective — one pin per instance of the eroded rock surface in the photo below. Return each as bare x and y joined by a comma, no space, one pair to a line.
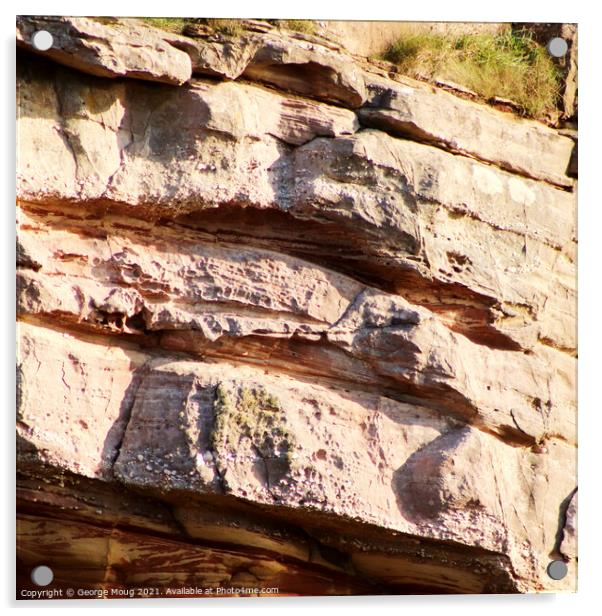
286,322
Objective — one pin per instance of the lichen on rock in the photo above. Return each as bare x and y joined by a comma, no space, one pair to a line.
248,418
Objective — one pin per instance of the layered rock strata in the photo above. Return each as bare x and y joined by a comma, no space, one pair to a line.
286,321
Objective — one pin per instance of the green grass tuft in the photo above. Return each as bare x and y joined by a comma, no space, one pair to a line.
306,26
229,27
509,65
170,24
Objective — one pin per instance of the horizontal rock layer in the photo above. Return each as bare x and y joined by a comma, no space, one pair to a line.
289,324
394,209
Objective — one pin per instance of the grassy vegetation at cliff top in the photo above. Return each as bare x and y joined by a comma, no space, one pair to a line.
307,26
231,27
170,24
508,65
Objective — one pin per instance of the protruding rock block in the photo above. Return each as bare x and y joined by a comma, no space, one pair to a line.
417,111
108,48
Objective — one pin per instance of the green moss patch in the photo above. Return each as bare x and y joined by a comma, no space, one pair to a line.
254,414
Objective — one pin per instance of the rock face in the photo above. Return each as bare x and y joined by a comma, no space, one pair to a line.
286,323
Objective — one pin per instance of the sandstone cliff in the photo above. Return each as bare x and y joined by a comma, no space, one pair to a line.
286,320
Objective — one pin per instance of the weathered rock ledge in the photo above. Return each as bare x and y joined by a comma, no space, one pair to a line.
285,321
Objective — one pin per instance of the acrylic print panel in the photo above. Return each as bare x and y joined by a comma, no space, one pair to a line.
296,308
